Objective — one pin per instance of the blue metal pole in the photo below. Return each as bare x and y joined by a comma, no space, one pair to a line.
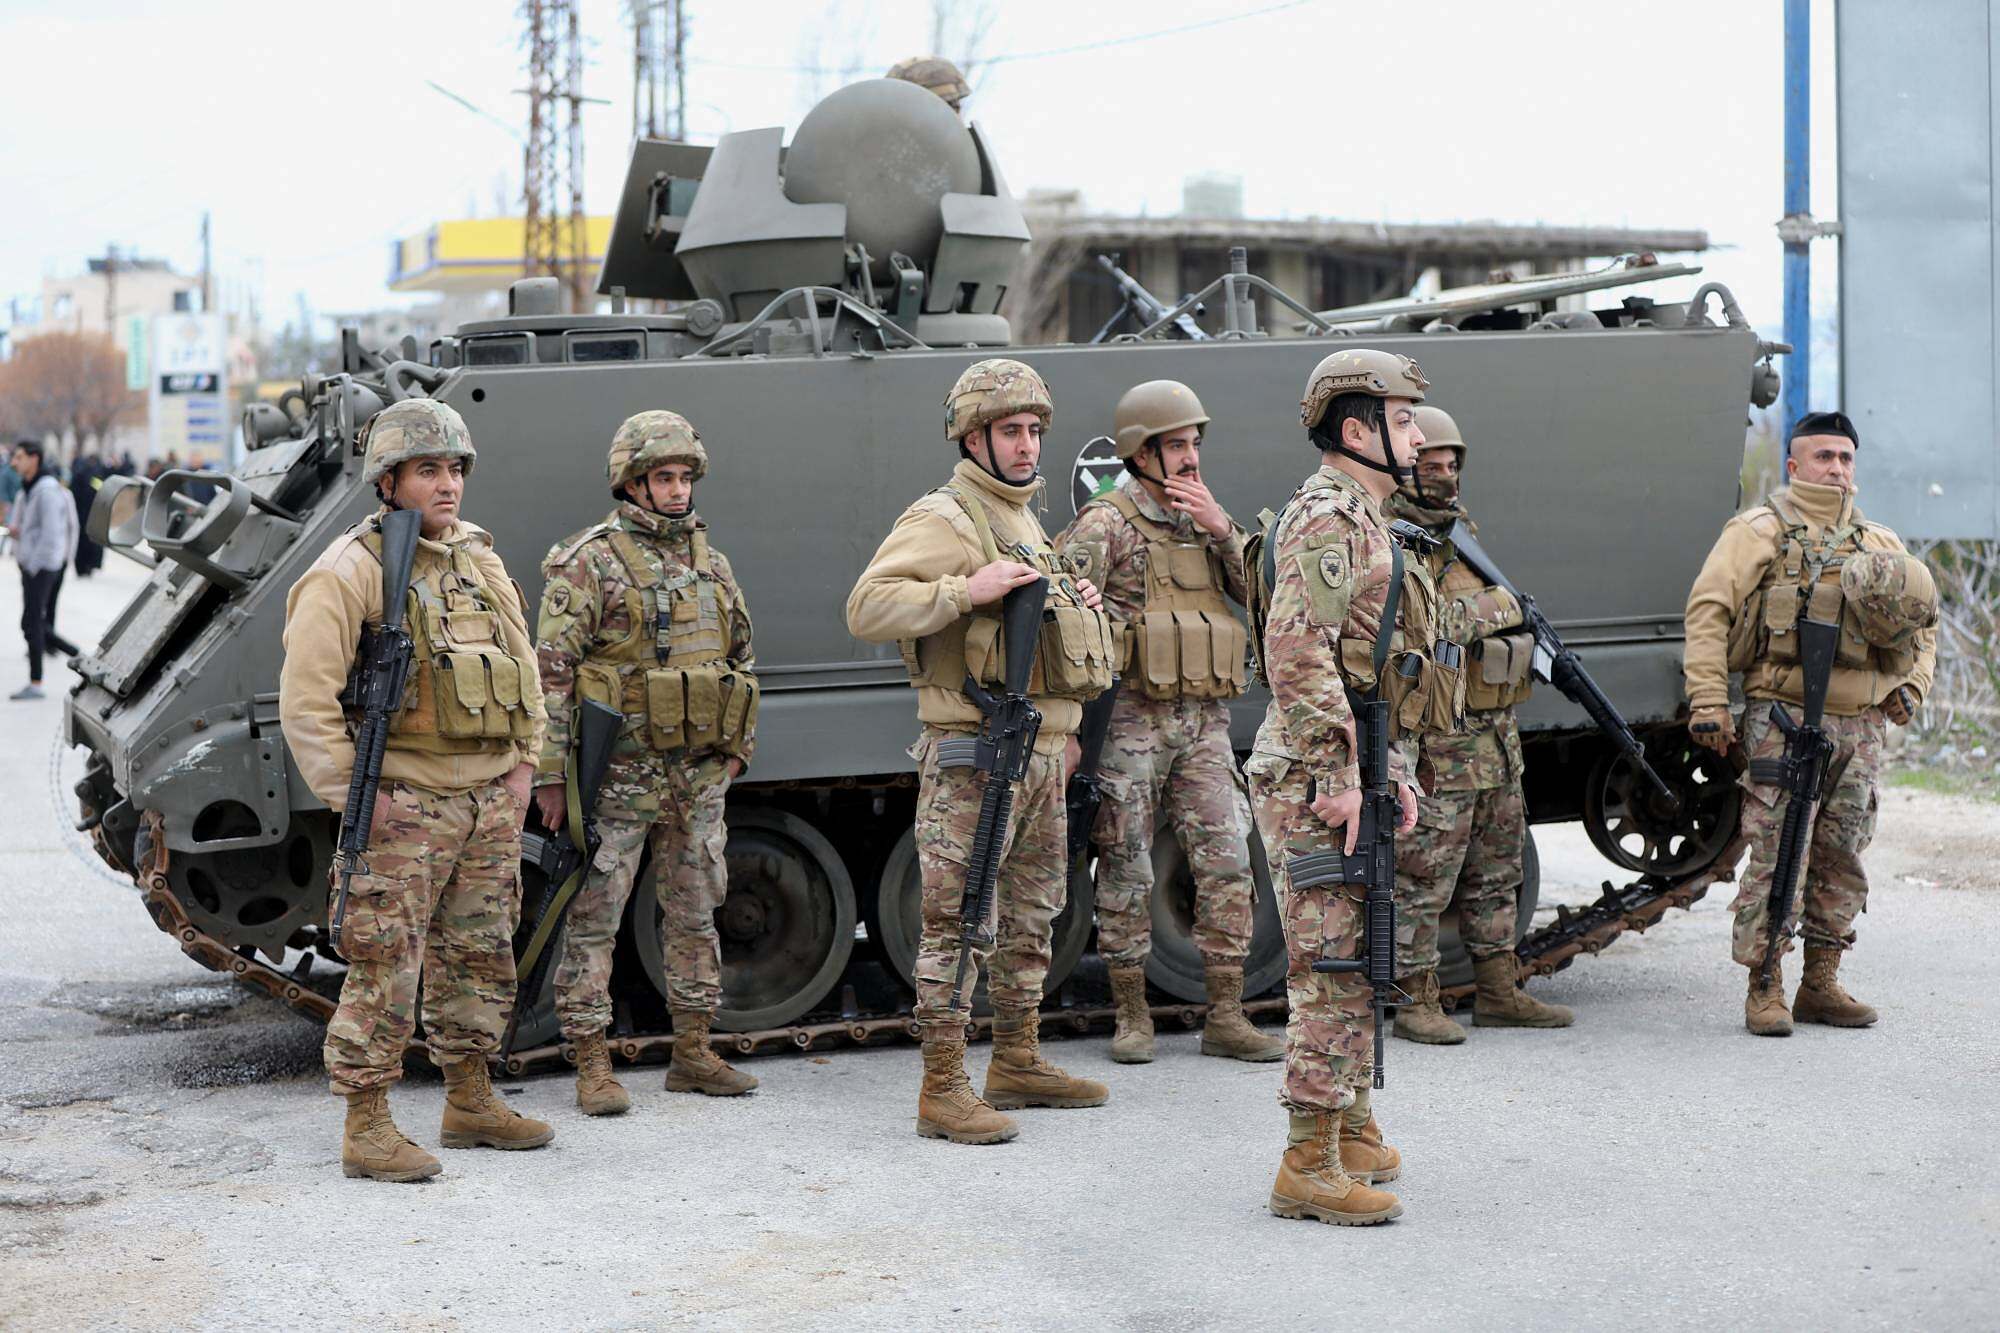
1798,205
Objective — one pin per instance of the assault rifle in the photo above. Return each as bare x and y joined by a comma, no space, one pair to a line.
564,862
1086,790
1001,751
1142,304
1556,663
375,690
1800,772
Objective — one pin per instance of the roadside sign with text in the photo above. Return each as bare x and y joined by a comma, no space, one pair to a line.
189,383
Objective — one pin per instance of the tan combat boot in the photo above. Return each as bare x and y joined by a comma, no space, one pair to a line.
696,1066
1312,1183
1229,1032
1423,1018
1499,1002
372,1146
1821,997
948,1108
1019,1076
597,1091
476,1117
1764,1011
1132,1042
1363,1154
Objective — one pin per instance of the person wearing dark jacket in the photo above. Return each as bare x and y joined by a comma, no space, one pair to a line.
84,479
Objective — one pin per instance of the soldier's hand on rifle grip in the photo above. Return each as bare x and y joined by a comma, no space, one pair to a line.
1713,728
552,803
990,583
1408,796
1901,705
1341,811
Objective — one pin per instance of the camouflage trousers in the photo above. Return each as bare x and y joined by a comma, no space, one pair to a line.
1160,752
1832,886
1466,842
690,877
1029,894
439,902
1330,1035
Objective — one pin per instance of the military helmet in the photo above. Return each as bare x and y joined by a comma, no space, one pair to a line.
1151,409
1440,431
991,390
651,440
1893,596
1360,370
935,73
414,428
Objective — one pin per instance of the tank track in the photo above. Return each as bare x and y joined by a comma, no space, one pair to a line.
1636,907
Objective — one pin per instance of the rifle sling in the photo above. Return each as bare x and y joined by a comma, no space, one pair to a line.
546,928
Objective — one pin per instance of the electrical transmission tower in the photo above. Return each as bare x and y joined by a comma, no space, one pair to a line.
555,240
659,69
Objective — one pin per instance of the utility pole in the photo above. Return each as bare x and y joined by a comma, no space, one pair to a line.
207,272
1798,229
110,290
659,69
554,239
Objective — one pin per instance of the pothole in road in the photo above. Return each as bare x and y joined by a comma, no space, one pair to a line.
175,1007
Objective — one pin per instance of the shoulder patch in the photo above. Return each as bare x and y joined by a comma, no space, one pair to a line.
1333,566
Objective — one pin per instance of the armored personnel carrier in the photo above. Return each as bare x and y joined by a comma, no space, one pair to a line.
819,298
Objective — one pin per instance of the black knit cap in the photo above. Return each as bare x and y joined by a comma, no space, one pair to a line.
1825,423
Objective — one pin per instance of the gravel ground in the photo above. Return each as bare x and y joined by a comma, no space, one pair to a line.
169,1156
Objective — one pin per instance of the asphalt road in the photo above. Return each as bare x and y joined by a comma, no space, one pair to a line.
169,1156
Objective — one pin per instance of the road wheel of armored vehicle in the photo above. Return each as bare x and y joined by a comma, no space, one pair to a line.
896,919
258,896
1175,963
1634,828
1454,963
787,925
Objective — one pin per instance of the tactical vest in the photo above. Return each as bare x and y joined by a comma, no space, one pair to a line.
670,674
1803,582
466,692
1488,620
1186,642
1074,657
1424,693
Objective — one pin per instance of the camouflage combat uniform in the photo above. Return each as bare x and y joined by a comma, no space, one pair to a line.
1472,823
442,892
1167,744
1774,564
671,797
1333,562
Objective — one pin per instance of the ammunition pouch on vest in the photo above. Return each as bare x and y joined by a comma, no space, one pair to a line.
1488,620
1074,657
1186,643
466,692
670,675
1803,582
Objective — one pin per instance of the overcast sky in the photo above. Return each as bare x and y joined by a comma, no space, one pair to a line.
312,135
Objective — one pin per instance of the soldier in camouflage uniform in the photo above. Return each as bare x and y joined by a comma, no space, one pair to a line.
1167,559
441,894
640,613
1807,552
1472,824
934,588
1323,583
934,73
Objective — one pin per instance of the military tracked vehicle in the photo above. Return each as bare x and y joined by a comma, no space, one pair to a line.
807,306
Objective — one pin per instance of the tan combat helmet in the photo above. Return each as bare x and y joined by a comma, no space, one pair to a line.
1360,370
935,73
990,391
1440,432
1893,596
414,428
1154,408
651,440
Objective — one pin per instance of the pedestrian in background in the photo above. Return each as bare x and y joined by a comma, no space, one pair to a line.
84,479
44,527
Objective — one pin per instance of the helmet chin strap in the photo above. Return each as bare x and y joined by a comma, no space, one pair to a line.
991,467
1404,476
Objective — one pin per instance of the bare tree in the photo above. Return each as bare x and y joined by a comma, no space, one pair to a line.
67,383
959,29
1963,710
